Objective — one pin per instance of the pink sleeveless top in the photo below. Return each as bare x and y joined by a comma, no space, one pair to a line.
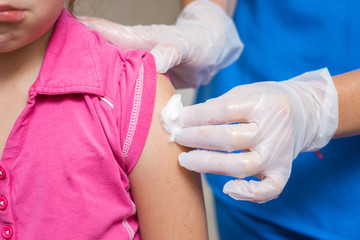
64,170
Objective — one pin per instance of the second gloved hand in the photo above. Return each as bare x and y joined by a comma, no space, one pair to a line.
272,123
203,40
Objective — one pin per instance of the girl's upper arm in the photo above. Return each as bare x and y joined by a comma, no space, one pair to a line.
168,198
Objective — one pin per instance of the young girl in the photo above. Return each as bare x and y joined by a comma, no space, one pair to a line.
80,136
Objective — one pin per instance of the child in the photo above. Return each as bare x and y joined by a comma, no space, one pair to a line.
80,137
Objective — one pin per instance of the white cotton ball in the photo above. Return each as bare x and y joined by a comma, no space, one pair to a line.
170,116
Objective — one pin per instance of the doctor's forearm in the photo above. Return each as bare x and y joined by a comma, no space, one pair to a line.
348,88
227,5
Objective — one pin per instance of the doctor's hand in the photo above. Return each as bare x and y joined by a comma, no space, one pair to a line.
272,123
203,41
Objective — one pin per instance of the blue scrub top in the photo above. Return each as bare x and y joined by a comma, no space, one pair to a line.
285,38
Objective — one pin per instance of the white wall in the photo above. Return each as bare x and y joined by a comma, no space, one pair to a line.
132,12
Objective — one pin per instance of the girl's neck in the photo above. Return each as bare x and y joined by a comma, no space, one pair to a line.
20,68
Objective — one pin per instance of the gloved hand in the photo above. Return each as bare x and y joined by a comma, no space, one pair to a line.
275,122
203,41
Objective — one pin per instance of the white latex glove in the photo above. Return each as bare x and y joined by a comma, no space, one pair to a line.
203,41
276,121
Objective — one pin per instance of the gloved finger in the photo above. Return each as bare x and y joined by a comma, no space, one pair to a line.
229,137
167,54
238,165
255,191
219,110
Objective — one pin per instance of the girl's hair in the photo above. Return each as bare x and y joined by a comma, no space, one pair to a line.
70,5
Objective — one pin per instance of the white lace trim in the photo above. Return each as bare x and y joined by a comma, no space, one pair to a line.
125,222
134,113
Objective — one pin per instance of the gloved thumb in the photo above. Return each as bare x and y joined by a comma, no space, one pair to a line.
167,54
255,191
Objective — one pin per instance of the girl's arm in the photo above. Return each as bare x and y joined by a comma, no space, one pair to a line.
168,198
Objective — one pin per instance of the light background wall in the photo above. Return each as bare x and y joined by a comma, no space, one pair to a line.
144,12
132,12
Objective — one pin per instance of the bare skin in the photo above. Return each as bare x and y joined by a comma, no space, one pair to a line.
348,88
22,47
19,70
168,197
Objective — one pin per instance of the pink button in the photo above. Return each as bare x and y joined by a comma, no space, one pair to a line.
2,173
3,203
7,232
